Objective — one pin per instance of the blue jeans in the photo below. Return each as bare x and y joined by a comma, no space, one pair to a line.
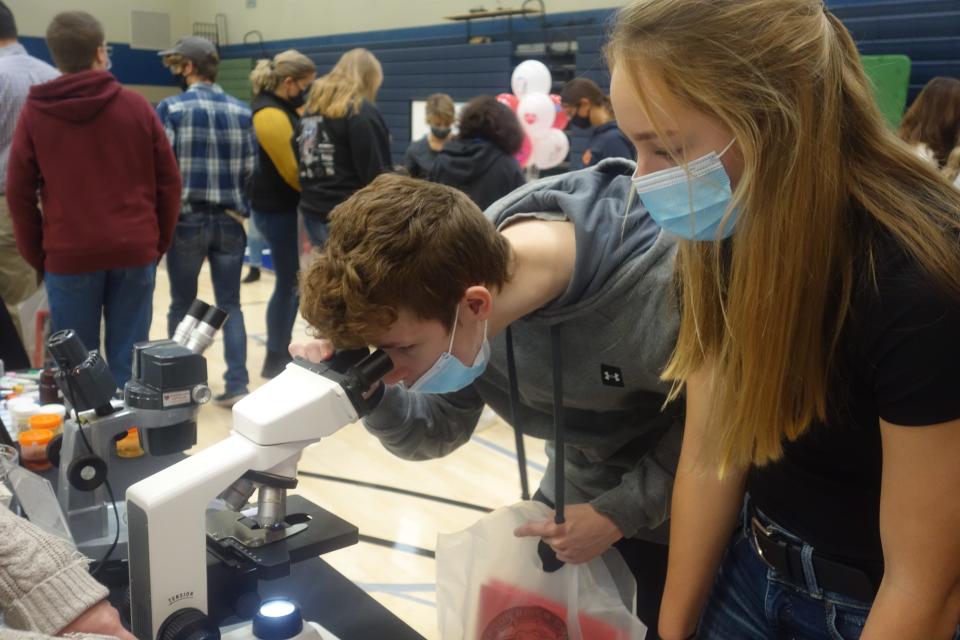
280,232
751,601
256,244
123,297
215,236
317,230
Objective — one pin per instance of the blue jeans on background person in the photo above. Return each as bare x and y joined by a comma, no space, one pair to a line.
280,232
256,243
317,229
122,297
213,235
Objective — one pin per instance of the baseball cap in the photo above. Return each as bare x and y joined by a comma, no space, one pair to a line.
191,47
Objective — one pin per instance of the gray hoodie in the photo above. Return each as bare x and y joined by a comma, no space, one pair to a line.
619,325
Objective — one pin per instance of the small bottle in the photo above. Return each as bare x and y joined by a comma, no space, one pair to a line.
21,409
33,449
129,446
50,421
49,391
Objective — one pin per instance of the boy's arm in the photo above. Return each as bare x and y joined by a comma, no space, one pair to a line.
420,426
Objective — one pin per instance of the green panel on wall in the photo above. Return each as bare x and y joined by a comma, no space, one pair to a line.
890,76
234,77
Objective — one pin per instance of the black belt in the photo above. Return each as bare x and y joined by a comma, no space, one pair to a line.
784,557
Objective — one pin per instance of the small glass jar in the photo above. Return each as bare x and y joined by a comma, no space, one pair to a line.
33,449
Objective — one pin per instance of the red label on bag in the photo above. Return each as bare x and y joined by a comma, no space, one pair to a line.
526,623
510,613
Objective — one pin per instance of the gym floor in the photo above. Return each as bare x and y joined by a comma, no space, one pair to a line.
391,563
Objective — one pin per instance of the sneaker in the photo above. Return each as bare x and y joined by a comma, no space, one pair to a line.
275,363
229,398
253,274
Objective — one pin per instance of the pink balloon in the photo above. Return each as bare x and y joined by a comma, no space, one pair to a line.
526,150
560,120
509,99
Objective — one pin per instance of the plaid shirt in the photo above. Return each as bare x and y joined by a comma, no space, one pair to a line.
212,137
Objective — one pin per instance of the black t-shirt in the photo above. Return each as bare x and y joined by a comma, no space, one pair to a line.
898,360
339,156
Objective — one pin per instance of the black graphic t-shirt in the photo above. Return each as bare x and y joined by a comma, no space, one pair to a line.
338,156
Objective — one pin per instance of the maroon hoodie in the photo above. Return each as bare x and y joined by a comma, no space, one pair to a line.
106,176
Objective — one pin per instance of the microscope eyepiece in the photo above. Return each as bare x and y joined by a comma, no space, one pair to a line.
371,369
215,317
198,308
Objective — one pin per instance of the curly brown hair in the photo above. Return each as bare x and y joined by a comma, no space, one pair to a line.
484,117
399,243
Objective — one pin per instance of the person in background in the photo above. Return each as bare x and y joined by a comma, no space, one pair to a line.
343,141
18,72
589,108
932,126
108,183
279,87
480,161
212,136
819,282
421,153
256,244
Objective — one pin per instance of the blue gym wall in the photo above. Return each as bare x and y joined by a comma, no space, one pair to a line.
423,60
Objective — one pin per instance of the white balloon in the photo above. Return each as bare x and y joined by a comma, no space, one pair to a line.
550,149
530,76
536,112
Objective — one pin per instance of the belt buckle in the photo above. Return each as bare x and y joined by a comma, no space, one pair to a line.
756,528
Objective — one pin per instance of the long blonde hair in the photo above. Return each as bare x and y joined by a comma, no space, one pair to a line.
823,179
356,76
268,74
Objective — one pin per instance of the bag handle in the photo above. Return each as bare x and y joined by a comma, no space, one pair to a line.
517,429
546,553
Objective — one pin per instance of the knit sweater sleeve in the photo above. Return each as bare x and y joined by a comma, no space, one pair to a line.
44,583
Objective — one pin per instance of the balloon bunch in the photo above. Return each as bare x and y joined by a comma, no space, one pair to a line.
545,145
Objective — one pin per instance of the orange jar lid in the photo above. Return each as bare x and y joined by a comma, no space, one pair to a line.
36,437
46,421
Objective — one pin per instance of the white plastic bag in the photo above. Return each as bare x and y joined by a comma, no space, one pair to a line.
491,586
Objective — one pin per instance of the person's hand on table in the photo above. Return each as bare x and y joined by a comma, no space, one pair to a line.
100,619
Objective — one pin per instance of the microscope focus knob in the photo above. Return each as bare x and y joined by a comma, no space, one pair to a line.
201,394
189,624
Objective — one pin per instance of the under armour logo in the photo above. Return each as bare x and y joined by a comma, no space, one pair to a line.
611,376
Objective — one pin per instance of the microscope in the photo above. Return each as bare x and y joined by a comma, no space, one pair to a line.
162,399
191,533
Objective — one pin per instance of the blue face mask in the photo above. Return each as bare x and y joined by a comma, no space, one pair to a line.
690,205
448,374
